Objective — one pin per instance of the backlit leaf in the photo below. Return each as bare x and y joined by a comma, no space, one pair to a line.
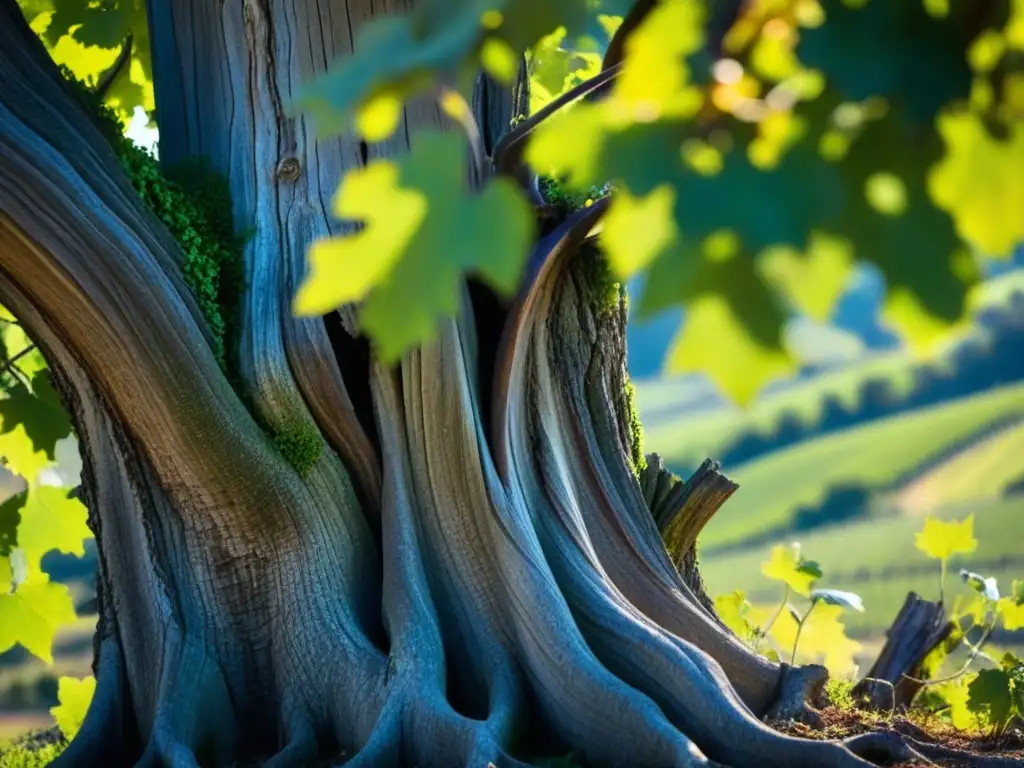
733,609
980,182
786,565
39,411
712,340
941,539
989,696
1011,608
50,520
74,695
957,694
812,281
33,614
424,232
19,454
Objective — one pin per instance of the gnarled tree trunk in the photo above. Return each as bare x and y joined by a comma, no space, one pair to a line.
469,574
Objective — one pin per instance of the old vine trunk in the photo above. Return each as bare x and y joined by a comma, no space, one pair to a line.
469,573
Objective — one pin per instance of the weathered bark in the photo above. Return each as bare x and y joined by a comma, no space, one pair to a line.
489,586
919,628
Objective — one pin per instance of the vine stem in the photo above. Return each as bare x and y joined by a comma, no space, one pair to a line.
799,629
8,365
974,653
771,622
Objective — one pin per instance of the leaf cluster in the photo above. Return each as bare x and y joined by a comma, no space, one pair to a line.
815,634
752,171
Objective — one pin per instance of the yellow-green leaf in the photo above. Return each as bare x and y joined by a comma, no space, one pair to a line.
812,281
637,230
957,695
20,455
713,341
733,610
980,182
50,520
74,695
786,565
423,233
33,614
1011,608
941,540
823,638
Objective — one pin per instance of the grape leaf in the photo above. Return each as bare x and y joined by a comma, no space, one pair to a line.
33,614
786,565
1011,607
956,693
423,231
941,540
19,454
711,214
713,340
38,411
823,639
989,697
74,695
733,609
980,182
87,37
51,520
398,56
813,281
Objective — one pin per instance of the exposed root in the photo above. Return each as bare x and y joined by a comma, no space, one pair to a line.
800,690
884,747
194,709
301,745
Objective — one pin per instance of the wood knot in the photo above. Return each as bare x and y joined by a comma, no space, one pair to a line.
288,169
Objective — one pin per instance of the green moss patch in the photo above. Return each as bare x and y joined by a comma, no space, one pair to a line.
194,203
301,445
34,750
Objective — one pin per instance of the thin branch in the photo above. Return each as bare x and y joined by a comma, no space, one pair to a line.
8,365
114,71
509,150
974,653
616,50
763,631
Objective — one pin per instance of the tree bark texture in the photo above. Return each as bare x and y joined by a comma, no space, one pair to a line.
470,574
920,627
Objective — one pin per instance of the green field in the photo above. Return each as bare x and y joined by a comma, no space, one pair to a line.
687,438
873,457
687,434
984,471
